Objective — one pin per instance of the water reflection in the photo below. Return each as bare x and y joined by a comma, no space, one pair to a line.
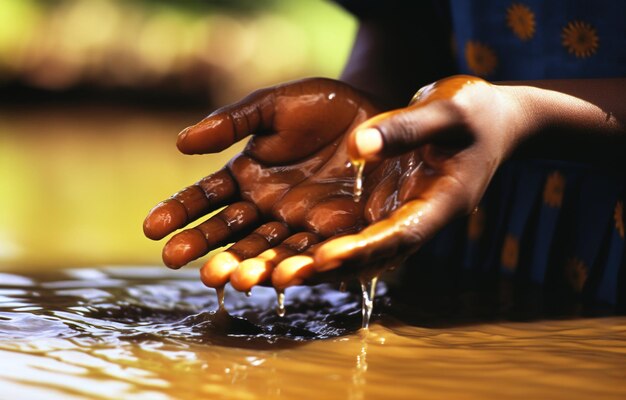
109,305
147,333
123,333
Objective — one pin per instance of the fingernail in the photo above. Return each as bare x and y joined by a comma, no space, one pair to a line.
369,142
183,134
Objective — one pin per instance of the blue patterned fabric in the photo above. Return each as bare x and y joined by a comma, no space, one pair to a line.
502,40
556,224
553,224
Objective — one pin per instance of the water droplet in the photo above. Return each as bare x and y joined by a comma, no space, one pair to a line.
368,291
342,286
359,166
280,297
220,298
248,293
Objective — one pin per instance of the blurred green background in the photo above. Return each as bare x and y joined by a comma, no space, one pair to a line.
93,93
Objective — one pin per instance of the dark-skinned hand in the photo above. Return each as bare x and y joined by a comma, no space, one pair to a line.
289,195
289,189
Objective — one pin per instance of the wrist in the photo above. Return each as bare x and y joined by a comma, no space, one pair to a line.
566,119
523,115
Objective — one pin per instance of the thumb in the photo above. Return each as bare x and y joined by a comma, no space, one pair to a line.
398,131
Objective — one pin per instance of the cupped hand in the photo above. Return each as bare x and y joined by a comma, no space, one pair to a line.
426,164
288,190
447,145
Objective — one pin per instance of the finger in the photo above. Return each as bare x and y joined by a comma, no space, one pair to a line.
396,132
383,196
228,125
334,216
220,229
216,272
293,271
297,204
300,269
258,270
402,232
189,204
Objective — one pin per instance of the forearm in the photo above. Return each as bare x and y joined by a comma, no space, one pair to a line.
580,120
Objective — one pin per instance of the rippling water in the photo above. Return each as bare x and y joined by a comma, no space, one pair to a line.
148,333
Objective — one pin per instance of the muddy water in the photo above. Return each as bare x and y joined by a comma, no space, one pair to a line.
147,333
128,333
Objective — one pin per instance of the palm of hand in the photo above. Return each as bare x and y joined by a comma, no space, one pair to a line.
292,177
299,172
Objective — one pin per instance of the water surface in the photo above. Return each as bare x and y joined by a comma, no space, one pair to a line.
149,333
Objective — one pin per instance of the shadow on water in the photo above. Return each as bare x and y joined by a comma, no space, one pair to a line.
139,305
152,304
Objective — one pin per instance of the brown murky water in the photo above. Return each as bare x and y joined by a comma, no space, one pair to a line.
149,333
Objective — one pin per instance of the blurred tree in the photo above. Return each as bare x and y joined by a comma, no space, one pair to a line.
156,51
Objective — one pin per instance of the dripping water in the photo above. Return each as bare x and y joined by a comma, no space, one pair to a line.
368,291
220,298
359,166
280,297
368,286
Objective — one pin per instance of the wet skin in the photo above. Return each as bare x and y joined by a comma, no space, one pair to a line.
289,201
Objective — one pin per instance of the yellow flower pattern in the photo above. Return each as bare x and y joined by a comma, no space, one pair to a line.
580,39
618,215
521,20
510,252
480,58
485,56
554,189
576,273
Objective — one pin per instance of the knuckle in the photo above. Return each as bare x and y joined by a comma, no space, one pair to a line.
459,110
412,236
398,132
